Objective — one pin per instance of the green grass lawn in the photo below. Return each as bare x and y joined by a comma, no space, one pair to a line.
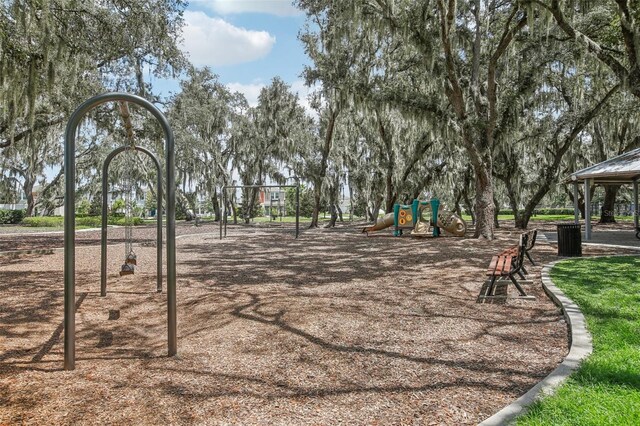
18,229
606,388
292,219
555,217
263,219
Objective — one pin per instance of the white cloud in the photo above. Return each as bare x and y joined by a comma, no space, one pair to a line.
271,7
251,91
303,92
214,42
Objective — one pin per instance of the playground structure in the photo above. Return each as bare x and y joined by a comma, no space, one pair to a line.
223,202
411,217
70,221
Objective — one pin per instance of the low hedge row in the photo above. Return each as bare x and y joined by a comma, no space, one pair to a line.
544,211
90,221
553,211
11,217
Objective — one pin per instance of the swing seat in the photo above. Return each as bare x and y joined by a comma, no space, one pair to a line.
131,259
127,269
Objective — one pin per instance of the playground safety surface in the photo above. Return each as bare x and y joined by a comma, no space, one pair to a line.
332,328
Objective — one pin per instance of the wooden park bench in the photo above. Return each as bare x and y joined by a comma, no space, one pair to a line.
508,264
531,242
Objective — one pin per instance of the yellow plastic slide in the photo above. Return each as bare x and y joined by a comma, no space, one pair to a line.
385,222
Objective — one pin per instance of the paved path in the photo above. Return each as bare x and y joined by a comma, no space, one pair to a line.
610,237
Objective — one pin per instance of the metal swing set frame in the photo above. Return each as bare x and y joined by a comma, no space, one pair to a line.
70,220
223,203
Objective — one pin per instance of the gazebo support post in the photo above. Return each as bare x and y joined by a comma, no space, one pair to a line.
587,209
635,203
576,209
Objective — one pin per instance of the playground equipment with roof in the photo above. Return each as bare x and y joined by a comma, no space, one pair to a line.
411,217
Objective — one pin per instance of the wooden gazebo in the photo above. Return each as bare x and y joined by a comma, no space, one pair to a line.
620,170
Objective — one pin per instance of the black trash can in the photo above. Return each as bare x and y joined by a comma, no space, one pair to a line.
569,239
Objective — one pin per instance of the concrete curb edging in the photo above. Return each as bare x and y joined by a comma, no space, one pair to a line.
580,348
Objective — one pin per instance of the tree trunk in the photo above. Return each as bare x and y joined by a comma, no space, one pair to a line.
216,206
249,205
607,214
512,195
184,203
456,203
522,221
324,164
484,208
350,203
27,187
234,211
496,212
580,201
316,207
375,208
334,216
468,206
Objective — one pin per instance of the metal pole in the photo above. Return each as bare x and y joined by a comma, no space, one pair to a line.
298,210
223,211
103,242
172,326
576,208
635,203
69,241
69,220
225,217
587,209
158,223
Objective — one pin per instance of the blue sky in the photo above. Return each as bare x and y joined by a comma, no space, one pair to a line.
246,42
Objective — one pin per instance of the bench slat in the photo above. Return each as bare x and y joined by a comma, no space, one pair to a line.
499,266
506,265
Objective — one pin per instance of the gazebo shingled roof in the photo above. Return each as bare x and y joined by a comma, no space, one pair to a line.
624,168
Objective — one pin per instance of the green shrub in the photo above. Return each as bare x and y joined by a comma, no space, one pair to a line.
121,221
543,211
87,221
43,221
553,211
96,221
11,217
83,206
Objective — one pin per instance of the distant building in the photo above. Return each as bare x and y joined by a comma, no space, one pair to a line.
272,201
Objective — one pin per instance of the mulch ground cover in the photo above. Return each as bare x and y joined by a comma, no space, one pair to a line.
332,328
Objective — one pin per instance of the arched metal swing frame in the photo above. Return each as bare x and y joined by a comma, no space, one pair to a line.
105,187
70,219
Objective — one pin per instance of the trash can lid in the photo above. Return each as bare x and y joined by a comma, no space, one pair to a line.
568,225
